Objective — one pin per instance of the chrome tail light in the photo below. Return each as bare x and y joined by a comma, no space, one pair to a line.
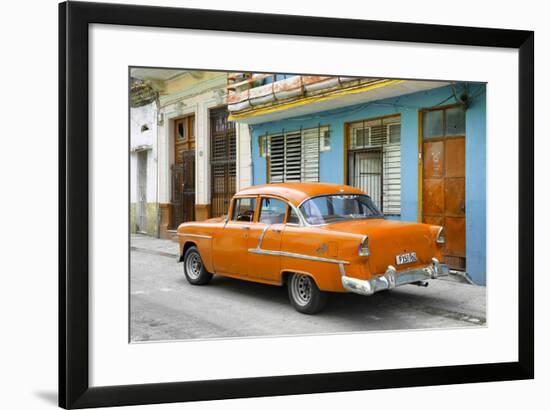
441,236
364,247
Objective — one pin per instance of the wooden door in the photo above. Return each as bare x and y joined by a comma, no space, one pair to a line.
177,195
183,189
142,191
183,171
188,188
443,194
223,148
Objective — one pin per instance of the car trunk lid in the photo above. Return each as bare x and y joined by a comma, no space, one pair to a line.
388,239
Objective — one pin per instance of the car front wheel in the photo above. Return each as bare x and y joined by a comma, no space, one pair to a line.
194,269
304,294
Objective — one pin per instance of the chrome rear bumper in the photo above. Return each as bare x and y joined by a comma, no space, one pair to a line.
392,279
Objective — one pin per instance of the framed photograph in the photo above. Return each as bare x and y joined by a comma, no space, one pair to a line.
257,204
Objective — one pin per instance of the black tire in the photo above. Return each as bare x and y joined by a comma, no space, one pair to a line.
304,294
193,268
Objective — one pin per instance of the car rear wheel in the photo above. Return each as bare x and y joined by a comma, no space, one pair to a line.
304,294
194,269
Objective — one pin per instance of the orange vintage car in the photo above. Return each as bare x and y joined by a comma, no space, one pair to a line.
314,238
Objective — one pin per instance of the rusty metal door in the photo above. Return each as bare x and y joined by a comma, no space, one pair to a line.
443,194
183,189
223,156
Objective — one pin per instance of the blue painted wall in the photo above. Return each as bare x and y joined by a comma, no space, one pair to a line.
408,106
476,222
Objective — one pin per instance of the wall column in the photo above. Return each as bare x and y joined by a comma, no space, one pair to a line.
244,156
202,152
476,218
409,166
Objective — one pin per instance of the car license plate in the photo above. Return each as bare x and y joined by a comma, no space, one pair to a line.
405,258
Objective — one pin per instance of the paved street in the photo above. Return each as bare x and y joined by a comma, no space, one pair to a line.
164,306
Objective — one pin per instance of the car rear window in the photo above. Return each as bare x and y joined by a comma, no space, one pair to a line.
336,208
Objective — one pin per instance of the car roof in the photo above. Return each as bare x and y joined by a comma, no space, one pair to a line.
297,192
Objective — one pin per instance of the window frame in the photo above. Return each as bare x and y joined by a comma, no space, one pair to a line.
259,210
299,214
387,121
444,109
265,150
354,125
231,216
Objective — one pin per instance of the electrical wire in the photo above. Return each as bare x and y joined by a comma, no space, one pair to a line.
395,105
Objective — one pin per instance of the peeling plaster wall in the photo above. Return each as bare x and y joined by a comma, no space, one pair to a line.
140,116
144,141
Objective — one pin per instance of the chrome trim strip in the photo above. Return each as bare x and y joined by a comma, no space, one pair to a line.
194,235
296,256
362,245
341,269
301,216
259,251
262,237
438,236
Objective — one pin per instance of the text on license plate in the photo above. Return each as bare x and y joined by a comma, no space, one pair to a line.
405,258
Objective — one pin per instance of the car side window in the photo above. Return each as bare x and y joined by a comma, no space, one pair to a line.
243,209
292,217
272,211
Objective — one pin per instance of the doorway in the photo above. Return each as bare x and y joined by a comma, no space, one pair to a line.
443,179
183,171
223,159
142,191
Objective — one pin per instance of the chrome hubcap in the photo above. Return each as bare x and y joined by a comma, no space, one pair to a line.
301,289
193,266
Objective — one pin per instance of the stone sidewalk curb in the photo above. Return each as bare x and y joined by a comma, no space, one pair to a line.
154,252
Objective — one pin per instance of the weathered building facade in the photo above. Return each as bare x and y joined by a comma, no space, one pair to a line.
417,147
197,150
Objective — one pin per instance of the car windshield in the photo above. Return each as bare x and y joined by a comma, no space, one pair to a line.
336,208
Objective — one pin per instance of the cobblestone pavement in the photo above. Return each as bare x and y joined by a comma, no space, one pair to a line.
164,306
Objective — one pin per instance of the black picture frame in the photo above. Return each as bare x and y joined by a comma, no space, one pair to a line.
74,388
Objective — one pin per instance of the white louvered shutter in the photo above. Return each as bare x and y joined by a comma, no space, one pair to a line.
294,156
366,138
276,158
310,154
392,179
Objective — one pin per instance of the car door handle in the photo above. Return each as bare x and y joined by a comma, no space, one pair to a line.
277,230
245,227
